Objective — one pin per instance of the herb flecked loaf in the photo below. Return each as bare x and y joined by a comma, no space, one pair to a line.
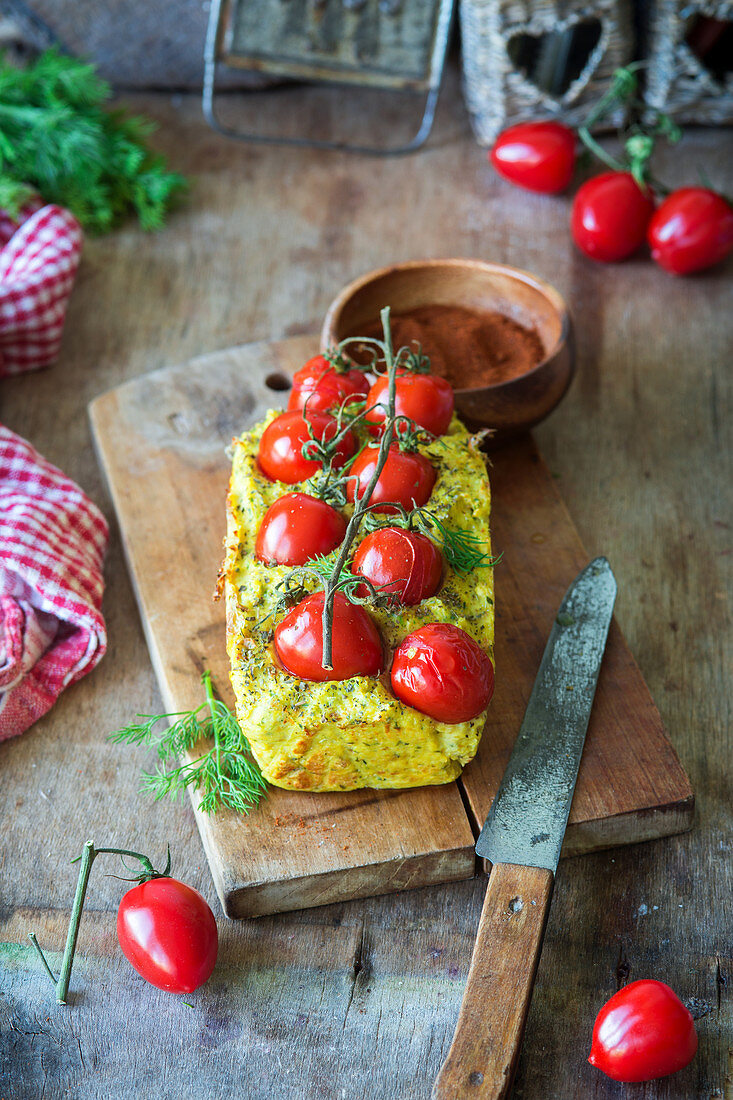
342,735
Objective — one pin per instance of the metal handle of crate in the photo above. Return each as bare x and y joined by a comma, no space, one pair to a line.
214,53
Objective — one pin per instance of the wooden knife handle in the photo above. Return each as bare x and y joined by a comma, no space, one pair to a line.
483,1055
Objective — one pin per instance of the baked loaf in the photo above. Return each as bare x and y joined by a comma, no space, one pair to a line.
341,735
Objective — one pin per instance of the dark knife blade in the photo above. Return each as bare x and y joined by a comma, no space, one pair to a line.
527,820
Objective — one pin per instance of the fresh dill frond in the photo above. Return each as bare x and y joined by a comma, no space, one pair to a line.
224,775
462,550
57,137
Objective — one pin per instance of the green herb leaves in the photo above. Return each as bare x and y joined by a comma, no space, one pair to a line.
56,137
225,775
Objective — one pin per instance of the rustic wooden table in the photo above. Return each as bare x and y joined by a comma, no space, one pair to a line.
360,999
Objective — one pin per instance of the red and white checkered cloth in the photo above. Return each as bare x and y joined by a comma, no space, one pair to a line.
52,544
38,265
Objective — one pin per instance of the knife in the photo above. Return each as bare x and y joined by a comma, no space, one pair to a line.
522,837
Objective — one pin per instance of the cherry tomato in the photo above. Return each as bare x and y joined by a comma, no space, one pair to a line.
297,528
405,563
537,155
642,1033
442,672
407,478
323,387
356,645
691,230
425,398
281,447
168,932
610,216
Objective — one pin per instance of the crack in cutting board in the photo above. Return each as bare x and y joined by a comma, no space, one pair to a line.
161,441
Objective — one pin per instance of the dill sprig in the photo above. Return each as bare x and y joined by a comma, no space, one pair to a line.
56,137
463,550
225,775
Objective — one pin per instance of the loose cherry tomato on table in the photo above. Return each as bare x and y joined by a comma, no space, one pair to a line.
442,672
323,386
643,1032
168,932
425,398
610,216
539,156
691,230
407,478
280,454
404,563
356,645
297,528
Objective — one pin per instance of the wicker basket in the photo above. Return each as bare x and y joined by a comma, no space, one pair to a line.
498,93
677,81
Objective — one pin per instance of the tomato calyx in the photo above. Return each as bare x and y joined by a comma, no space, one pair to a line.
325,449
146,875
340,363
312,579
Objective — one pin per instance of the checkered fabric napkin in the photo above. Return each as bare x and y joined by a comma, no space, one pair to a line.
38,263
52,543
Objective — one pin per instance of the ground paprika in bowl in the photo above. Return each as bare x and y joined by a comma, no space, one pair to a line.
501,336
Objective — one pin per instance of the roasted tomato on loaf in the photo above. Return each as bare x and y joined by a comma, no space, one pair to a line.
403,701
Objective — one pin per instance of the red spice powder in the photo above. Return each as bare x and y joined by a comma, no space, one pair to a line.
466,347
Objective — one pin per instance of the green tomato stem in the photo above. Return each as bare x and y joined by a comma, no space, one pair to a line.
87,858
598,151
49,971
361,504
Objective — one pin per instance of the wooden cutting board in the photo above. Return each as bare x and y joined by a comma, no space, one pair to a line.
161,440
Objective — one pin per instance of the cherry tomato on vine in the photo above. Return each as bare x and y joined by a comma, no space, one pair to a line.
407,478
168,932
610,216
280,454
356,645
297,528
539,156
425,398
404,563
323,387
692,229
643,1032
442,672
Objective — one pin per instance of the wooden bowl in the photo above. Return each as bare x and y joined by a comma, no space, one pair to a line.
508,407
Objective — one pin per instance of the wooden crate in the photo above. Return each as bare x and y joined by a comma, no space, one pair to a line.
678,81
498,90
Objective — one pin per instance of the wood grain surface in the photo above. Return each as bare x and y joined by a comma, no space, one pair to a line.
361,998
161,441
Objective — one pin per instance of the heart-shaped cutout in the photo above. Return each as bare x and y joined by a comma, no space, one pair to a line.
554,60
711,41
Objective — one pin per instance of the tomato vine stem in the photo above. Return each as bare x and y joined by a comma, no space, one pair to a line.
90,853
361,503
